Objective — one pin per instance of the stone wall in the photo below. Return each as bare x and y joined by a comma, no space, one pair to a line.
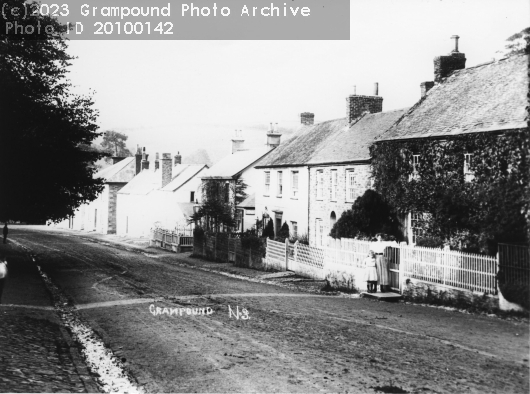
323,208
112,217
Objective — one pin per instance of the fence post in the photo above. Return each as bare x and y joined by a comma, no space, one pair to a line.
215,247
286,253
497,272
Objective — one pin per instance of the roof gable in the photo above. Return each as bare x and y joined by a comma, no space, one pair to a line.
123,171
234,164
487,97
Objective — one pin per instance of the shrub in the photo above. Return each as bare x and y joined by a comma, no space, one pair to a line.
284,231
430,242
370,214
198,233
269,230
301,238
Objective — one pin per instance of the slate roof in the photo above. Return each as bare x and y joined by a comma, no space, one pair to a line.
334,141
249,202
123,171
483,98
232,165
184,174
144,183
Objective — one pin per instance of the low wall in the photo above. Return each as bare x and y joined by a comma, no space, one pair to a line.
341,276
420,291
224,250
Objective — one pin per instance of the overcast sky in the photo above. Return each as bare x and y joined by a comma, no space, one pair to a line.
184,95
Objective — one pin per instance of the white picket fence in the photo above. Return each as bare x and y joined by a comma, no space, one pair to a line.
343,260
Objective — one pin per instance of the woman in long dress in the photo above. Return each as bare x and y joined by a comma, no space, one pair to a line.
370,273
383,276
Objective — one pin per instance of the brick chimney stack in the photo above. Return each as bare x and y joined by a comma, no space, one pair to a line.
157,163
307,118
237,141
138,157
178,158
445,65
145,163
166,169
273,137
425,87
356,105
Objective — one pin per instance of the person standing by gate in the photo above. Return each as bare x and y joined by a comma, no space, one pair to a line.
6,230
370,272
383,276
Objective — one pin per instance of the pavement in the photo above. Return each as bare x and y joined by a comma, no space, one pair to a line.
37,354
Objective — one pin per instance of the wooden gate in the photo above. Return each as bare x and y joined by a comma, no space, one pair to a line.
392,256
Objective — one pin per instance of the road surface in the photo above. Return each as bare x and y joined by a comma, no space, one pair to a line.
292,341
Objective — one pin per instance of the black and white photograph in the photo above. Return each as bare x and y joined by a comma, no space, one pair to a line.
261,196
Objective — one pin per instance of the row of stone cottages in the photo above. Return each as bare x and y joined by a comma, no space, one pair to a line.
309,180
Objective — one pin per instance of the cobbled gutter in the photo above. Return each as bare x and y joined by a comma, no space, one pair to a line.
100,360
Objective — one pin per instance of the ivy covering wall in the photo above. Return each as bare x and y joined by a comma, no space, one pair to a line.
473,215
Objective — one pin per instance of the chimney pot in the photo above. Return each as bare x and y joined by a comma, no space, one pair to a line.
138,157
157,163
376,89
145,163
178,158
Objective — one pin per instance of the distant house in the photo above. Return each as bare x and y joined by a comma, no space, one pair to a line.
317,175
240,165
464,114
160,196
100,215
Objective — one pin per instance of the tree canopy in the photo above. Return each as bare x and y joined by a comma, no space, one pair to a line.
45,151
114,144
370,214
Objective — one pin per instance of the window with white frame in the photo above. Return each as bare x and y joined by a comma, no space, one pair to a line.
468,173
294,229
351,178
267,182
294,183
416,219
415,166
320,185
334,181
280,183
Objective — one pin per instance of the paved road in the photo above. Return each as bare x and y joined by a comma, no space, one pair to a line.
292,342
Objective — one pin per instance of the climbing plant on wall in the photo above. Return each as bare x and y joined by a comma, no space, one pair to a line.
477,214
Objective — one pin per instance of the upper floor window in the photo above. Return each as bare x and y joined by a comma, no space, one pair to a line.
469,174
280,183
320,184
294,183
415,166
192,196
267,182
350,184
334,181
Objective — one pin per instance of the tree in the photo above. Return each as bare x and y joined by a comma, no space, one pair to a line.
45,150
269,230
219,201
370,214
284,231
200,156
114,144
517,44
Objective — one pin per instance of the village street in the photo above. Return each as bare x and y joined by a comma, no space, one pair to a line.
293,341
